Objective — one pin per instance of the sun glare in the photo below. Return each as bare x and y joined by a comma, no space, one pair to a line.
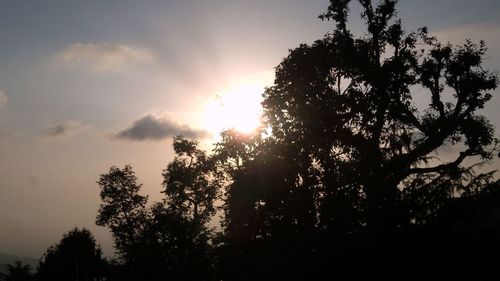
238,107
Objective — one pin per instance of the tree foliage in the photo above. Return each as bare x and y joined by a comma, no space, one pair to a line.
17,272
347,104
75,257
351,163
344,177
191,182
122,208
170,239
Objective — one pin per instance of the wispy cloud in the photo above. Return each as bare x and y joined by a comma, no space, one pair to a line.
65,128
487,31
103,57
150,127
3,98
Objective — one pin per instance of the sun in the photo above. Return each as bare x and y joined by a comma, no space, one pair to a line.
238,107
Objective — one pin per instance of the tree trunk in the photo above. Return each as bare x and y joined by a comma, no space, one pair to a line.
382,224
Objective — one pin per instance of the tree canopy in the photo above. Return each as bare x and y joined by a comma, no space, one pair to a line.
344,177
346,106
76,257
169,239
350,168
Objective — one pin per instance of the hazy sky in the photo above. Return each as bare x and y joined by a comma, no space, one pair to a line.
85,85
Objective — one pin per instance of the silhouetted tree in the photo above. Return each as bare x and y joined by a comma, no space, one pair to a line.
351,157
191,182
174,248
269,212
17,272
347,184
122,208
191,186
75,257
347,104
171,239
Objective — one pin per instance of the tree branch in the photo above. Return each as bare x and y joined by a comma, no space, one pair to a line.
435,89
430,144
347,88
435,169
412,119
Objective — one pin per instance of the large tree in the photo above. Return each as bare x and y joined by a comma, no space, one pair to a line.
356,121
346,104
347,183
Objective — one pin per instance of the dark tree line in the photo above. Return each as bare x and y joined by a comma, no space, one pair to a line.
346,185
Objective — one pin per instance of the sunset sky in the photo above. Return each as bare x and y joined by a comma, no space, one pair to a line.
85,85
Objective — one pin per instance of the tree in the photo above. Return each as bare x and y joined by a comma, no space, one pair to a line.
348,183
75,257
347,105
122,208
174,248
351,157
191,183
269,216
171,239
17,272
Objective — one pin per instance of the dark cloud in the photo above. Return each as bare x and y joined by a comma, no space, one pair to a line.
62,129
152,128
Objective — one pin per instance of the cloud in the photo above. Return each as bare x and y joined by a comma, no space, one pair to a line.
62,129
3,98
150,127
104,57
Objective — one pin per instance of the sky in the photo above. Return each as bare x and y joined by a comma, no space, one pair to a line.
85,85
